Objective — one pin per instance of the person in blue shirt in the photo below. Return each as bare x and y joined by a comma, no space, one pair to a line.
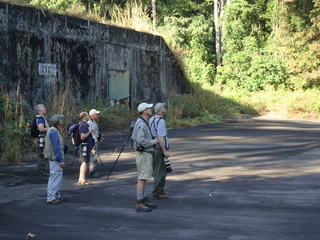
87,144
43,127
159,130
54,152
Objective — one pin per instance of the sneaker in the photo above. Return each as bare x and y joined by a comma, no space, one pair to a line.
160,196
149,204
142,207
54,201
94,175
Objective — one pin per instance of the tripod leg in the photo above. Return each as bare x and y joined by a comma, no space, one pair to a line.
75,157
100,159
119,154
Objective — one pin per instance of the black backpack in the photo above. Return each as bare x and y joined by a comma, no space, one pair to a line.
75,134
34,128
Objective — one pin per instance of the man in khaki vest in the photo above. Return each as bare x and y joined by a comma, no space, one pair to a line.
54,152
143,141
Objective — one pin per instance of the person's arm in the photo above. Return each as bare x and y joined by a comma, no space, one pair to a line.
85,132
141,137
41,126
161,130
56,147
163,146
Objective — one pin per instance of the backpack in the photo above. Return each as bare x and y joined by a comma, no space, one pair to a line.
34,128
75,134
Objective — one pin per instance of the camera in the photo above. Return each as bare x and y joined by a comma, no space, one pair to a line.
41,141
140,149
84,149
168,165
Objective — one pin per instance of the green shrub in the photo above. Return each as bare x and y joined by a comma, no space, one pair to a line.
14,130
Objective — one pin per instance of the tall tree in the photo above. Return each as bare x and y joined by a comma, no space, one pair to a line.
218,13
154,14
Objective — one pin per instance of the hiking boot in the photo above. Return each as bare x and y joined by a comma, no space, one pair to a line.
149,204
142,207
160,196
61,199
54,201
94,175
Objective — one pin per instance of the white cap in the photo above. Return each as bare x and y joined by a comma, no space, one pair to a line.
144,106
93,111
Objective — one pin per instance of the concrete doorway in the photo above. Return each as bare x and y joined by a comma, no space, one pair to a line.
119,88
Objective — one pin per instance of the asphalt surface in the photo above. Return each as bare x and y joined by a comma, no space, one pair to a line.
249,179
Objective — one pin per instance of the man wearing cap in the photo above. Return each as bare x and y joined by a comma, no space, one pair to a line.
142,138
159,130
94,115
54,151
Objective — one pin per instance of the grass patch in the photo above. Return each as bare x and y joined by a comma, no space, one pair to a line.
299,104
203,106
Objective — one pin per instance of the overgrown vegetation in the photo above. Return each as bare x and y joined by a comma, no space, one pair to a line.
270,61
14,127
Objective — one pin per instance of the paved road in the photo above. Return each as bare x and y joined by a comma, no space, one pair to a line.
254,179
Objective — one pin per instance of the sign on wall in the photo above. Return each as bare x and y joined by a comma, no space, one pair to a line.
47,69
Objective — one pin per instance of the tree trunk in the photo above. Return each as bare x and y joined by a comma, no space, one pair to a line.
154,14
218,25
217,31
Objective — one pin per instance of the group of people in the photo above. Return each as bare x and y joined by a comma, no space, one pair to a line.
151,147
53,149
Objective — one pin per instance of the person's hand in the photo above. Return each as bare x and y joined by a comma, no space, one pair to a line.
155,141
62,165
166,154
101,139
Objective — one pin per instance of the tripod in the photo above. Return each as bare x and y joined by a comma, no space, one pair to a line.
78,152
131,128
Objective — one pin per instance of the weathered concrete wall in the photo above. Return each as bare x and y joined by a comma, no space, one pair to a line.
83,52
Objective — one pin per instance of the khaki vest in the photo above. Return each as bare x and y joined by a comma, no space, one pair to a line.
48,150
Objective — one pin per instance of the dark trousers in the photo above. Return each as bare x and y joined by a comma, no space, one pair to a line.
159,172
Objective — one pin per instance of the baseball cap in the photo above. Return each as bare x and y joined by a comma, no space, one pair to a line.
158,107
93,111
144,106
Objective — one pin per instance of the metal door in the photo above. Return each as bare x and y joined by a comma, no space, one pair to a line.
119,88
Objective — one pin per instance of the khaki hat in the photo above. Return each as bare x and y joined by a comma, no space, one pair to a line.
56,118
159,107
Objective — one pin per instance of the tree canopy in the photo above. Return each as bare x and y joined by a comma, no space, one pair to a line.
264,43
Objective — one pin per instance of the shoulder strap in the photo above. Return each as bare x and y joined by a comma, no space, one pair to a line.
146,123
154,124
